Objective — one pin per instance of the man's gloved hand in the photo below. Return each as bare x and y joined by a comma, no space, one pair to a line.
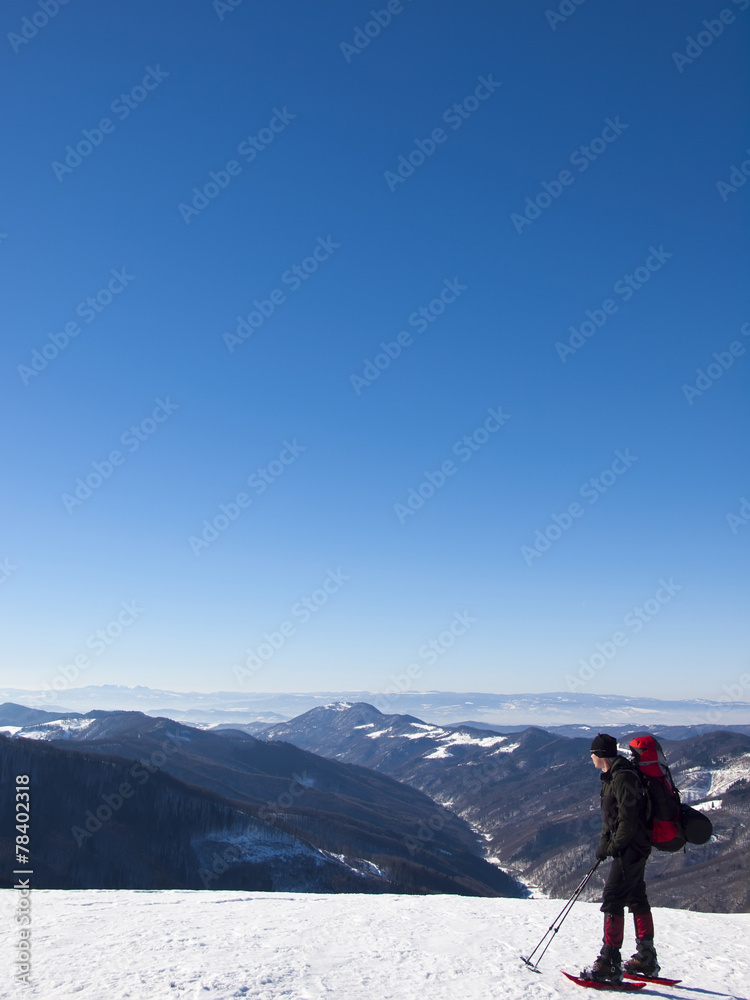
602,852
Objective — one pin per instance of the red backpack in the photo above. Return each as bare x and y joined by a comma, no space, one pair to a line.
664,813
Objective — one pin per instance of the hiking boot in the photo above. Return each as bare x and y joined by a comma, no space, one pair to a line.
607,968
643,962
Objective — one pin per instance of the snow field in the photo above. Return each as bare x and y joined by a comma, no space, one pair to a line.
144,945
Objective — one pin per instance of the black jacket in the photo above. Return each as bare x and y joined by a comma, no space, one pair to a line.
624,818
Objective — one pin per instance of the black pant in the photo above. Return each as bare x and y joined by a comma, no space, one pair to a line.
625,885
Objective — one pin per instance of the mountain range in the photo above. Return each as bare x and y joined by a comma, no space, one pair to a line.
123,800
534,795
444,707
382,802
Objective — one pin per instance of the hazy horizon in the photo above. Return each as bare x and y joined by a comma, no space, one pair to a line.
442,707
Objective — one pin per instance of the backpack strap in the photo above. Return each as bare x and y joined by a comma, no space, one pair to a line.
675,789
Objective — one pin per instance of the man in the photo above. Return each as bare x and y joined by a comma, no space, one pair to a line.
626,839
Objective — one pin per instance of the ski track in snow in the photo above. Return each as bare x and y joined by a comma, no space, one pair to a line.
143,945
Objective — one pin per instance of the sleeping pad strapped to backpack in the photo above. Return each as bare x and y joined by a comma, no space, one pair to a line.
672,824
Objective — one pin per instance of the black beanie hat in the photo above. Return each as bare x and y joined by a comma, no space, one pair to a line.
604,746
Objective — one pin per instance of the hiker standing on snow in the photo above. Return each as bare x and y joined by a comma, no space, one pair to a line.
627,840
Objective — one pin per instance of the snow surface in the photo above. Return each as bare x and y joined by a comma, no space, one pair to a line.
699,784
113,945
446,737
726,776
51,730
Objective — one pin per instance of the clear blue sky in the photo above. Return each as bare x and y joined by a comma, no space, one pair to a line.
182,88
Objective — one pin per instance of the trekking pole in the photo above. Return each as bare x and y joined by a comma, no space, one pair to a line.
556,924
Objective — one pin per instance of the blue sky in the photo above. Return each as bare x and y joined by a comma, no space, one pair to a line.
541,165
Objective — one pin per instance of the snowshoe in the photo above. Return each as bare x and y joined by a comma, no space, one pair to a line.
659,980
594,984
